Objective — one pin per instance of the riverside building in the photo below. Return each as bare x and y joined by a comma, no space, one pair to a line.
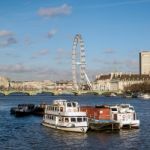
144,62
118,81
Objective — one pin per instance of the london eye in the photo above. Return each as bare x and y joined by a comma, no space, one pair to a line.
78,63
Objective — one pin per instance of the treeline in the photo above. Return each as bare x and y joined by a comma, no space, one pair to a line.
138,88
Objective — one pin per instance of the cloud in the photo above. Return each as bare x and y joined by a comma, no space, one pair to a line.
16,68
55,11
62,56
131,65
109,51
27,41
42,52
51,33
23,72
53,74
12,55
116,64
8,41
7,38
4,33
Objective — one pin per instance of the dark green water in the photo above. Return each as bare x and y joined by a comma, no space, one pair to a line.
27,133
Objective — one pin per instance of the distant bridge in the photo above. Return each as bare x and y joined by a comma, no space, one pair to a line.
26,92
52,92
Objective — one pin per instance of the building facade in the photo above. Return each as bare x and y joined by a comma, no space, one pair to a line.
118,81
4,83
144,62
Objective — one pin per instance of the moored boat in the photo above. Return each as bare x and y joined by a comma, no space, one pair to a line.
65,115
99,117
22,109
103,117
146,96
39,109
125,115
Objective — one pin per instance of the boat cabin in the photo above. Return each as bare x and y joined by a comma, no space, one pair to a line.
63,106
98,112
125,114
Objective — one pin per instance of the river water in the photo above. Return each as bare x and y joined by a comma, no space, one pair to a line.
27,133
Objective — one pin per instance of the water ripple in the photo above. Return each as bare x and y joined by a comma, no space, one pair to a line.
27,133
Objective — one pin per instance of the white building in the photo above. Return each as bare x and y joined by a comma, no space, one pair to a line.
117,81
144,62
4,82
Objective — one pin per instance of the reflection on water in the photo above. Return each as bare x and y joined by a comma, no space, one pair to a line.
66,139
129,133
130,138
27,133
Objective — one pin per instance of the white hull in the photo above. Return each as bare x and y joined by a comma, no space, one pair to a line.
146,96
135,123
81,129
131,124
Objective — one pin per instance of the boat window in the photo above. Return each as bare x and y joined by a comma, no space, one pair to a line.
74,104
114,109
73,119
66,119
131,108
84,119
53,117
68,104
49,116
79,119
61,109
115,117
60,119
56,109
134,116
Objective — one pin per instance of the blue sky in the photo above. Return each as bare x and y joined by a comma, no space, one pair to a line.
36,36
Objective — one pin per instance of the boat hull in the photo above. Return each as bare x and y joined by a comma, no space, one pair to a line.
103,126
22,113
82,129
135,124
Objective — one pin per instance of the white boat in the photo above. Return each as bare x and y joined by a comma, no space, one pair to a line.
125,115
65,115
146,96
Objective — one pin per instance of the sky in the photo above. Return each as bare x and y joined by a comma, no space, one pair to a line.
36,37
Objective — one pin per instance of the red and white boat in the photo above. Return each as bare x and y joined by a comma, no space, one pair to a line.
111,117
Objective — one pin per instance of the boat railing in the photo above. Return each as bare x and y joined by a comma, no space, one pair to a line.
66,113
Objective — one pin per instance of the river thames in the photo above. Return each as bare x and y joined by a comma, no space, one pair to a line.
27,133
